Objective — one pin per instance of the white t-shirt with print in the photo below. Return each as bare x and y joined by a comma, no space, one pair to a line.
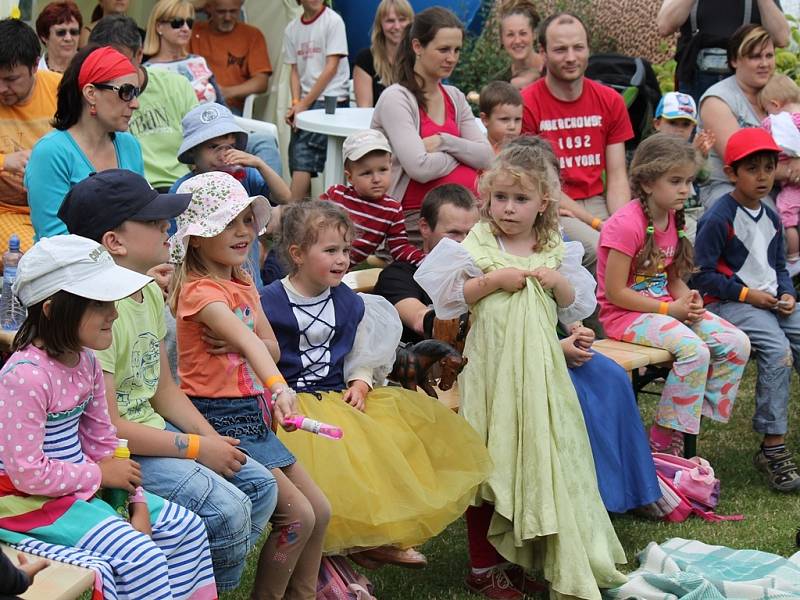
308,44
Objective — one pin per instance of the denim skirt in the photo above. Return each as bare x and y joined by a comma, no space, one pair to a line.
249,420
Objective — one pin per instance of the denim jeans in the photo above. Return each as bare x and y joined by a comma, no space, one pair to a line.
235,512
775,341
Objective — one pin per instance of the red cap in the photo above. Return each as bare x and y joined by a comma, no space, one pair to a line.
747,141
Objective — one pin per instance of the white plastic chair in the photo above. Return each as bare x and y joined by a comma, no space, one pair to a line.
254,126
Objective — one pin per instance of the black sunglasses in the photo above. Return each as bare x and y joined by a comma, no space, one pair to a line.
63,32
126,91
178,23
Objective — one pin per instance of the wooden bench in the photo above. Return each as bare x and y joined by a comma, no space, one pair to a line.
630,357
59,581
363,280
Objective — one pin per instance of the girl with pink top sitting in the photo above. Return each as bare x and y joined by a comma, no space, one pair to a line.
57,440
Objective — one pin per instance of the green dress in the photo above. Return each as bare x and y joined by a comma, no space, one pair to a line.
517,393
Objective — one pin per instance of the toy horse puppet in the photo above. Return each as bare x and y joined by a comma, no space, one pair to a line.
414,366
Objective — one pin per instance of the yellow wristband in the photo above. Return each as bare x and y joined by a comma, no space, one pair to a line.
273,380
193,450
743,294
597,223
663,308
295,101
2,161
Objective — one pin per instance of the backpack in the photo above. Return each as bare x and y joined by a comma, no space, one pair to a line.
339,581
688,487
636,81
693,477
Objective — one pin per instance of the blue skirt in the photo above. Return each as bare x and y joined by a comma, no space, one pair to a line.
247,419
626,475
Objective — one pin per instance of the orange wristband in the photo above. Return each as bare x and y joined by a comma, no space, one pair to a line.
273,380
193,450
663,308
295,101
597,223
743,294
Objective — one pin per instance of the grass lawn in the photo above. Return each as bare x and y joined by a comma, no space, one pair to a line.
771,519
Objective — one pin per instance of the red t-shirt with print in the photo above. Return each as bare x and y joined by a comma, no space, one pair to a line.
579,131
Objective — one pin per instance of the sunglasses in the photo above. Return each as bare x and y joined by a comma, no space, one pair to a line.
63,32
178,23
126,91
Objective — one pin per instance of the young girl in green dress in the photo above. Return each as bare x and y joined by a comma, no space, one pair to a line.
540,507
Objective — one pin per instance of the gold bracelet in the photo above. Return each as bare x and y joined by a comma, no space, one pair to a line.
597,223
274,379
663,308
743,294
193,450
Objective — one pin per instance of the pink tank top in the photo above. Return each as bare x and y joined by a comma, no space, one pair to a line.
462,174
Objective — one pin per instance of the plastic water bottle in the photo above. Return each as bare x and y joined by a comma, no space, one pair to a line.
117,498
12,313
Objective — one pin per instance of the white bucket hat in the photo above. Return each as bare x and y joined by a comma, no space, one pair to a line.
74,264
217,198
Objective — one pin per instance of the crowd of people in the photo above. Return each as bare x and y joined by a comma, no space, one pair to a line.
185,301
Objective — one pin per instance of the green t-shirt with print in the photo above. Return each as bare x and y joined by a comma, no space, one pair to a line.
134,357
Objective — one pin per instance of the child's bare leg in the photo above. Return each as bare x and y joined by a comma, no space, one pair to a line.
792,244
288,565
301,182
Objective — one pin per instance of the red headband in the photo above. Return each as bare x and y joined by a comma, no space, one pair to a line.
104,64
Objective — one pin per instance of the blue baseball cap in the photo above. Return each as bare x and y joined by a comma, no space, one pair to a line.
105,200
677,105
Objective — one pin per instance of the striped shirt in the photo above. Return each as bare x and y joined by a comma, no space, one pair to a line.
375,221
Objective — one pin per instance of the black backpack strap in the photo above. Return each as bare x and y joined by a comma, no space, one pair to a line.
693,18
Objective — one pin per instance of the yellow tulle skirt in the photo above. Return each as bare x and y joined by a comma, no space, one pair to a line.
405,469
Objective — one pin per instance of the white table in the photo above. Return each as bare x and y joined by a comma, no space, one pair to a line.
337,127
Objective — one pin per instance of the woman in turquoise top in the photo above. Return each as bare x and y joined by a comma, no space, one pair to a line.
96,99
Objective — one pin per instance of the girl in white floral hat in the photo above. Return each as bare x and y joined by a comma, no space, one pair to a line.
226,363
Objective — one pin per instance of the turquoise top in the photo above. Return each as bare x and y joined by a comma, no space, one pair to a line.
56,164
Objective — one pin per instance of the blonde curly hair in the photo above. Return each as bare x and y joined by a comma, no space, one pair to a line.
530,162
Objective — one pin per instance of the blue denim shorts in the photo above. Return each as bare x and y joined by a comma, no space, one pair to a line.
248,419
307,150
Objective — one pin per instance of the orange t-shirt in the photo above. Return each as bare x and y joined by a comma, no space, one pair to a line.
233,57
215,375
21,126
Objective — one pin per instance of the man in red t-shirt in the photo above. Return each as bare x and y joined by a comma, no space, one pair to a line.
587,124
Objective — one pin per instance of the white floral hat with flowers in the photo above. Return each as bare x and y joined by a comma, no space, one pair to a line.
217,198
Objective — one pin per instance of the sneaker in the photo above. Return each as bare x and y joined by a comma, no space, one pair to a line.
674,446
780,470
525,582
494,583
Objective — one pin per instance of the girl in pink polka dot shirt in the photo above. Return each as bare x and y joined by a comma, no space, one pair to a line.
57,441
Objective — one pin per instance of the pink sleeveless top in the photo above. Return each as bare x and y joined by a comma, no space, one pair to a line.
462,174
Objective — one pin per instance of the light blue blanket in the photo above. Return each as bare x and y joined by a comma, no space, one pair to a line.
691,570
